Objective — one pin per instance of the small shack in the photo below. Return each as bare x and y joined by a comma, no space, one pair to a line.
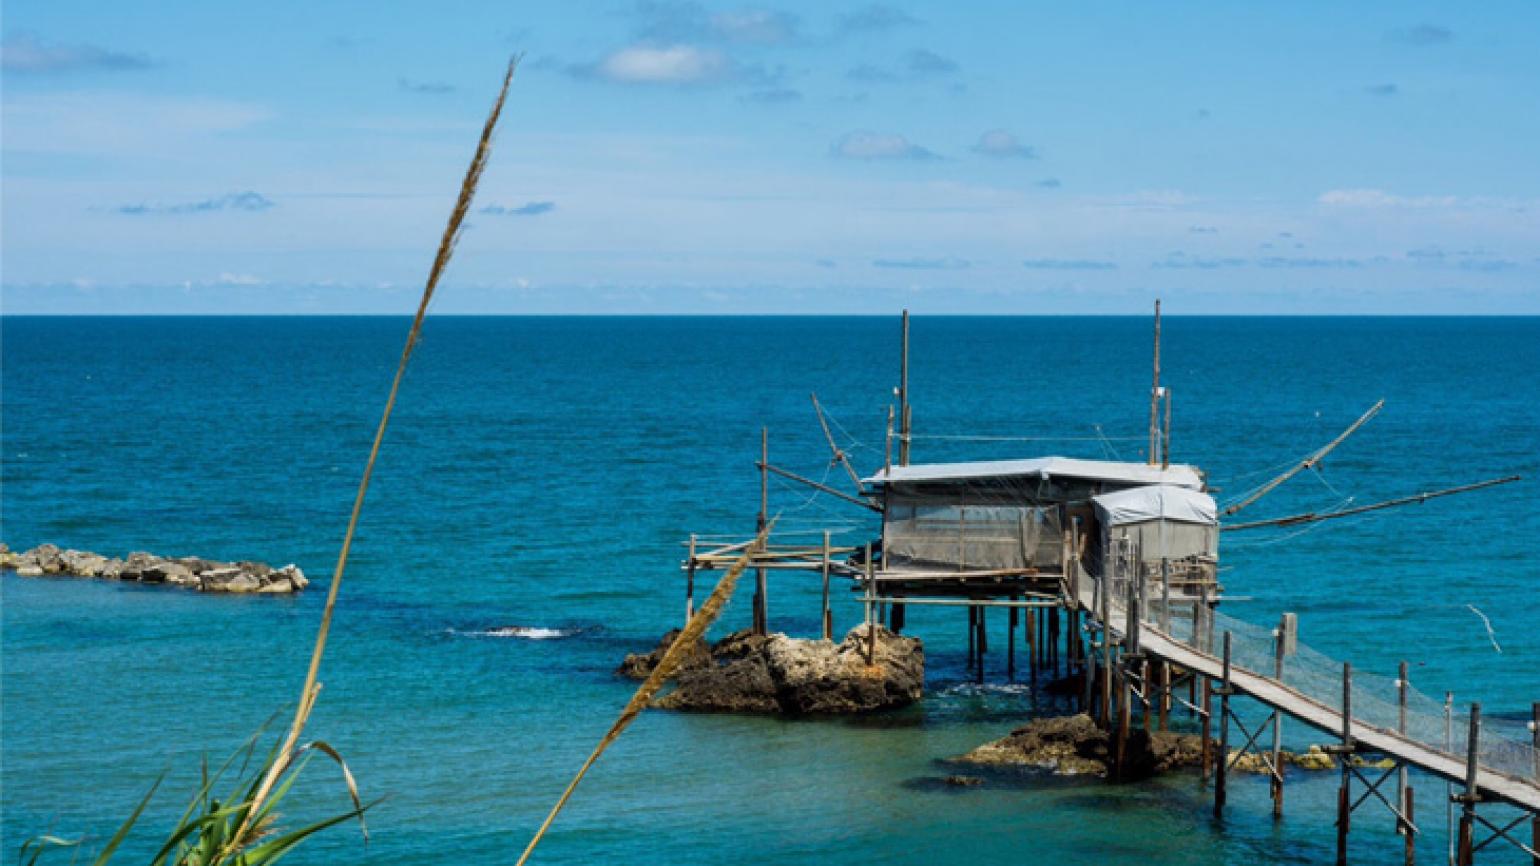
1159,526
1002,518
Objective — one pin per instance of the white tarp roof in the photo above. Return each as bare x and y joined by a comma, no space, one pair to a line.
1044,467
1157,502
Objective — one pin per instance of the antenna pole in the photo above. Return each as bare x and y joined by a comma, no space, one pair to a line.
903,393
1165,438
1155,391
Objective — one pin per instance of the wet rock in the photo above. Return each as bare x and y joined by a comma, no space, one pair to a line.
789,676
83,564
638,666
1076,746
959,781
48,557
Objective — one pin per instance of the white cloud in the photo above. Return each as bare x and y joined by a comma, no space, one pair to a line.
673,64
876,145
1378,198
998,142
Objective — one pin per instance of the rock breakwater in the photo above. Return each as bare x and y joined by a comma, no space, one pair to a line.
188,572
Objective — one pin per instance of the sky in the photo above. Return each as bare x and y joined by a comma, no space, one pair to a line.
791,158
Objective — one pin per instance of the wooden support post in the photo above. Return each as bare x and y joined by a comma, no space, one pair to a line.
826,619
1053,639
973,634
1106,660
1125,720
983,642
1280,649
1344,803
1163,677
1010,645
1165,439
1411,834
1466,854
761,588
1402,687
1145,681
1449,833
1031,629
1222,766
1150,455
689,583
1206,755
1534,823
903,394
897,614
871,619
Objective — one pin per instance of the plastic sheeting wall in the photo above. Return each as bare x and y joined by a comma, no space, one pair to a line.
943,534
1169,539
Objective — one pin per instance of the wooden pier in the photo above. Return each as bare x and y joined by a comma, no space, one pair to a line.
1110,570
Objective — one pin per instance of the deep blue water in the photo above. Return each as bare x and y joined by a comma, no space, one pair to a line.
543,472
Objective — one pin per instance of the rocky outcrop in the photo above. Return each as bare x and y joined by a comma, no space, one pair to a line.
1075,746
749,673
190,572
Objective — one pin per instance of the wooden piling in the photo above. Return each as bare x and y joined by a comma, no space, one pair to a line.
1466,845
761,588
1280,649
1032,642
1402,687
689,583
1410,832
1149,693
903,393
871,619
1010,645
1163,678
1125,709
1206,755
1344,804
983,643
973,635
827,617
1534,823
1222,766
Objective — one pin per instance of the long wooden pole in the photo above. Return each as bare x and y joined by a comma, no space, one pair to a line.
1471,796
311,688
1155,392
1312,517
824,488
839,455
761,588
903,394
1313,460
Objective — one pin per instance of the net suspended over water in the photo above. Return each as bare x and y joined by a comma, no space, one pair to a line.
1505,746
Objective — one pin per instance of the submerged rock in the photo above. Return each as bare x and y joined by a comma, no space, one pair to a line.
750,673
192,572
1077,746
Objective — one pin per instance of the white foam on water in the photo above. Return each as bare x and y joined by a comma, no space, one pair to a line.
526,632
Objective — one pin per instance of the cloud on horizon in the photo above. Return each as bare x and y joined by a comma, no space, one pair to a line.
241,201
865,145
1386,89
772,96
1180,259
533,208
948,263
1378,198
25,53
1069,265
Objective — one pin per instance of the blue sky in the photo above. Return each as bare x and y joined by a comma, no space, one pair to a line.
681,157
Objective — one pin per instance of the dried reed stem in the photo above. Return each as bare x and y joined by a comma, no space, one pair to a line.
692,631
446,248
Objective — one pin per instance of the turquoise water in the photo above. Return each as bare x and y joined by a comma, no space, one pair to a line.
543,472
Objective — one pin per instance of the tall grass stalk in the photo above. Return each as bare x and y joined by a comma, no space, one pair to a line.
451,238
693,630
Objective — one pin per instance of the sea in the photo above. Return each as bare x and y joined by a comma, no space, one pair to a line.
525,528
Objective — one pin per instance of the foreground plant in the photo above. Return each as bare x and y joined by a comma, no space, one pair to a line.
203,834
242,829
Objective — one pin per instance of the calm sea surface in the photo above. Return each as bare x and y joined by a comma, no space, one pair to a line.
543,472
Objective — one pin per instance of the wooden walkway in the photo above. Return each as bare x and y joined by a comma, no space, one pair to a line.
1493,785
